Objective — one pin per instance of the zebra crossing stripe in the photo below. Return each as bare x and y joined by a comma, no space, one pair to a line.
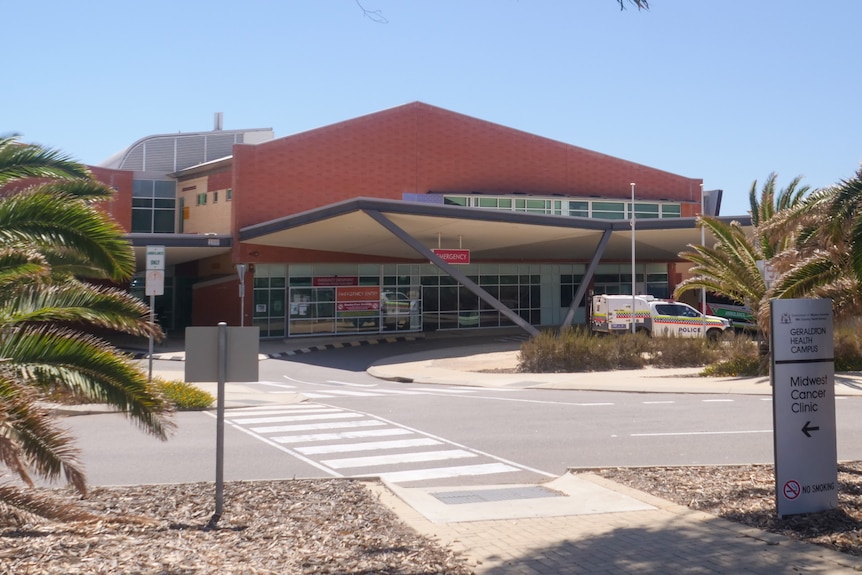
367,446
357,434
397,458
288,418
445,472
232,414
317,426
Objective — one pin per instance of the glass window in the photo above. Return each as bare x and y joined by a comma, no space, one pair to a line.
153,206
579,209
646,210
537,206
609,210
456,200
671,211
163,222
165,189
488,203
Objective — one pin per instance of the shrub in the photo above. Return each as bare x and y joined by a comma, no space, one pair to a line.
184,396
683,351
576,349
848,347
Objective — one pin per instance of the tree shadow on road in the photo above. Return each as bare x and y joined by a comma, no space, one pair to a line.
678,547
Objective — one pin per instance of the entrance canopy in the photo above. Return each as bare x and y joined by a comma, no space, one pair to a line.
351,227
398,229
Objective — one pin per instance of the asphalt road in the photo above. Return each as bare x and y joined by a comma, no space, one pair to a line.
352,424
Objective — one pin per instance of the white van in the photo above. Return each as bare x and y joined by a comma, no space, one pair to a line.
657,317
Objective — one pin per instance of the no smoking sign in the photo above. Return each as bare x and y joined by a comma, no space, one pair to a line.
792,490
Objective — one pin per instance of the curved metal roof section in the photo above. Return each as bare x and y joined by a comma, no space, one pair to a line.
169,153
347,227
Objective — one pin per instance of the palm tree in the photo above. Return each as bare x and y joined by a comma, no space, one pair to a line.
825,259
52,238
733,266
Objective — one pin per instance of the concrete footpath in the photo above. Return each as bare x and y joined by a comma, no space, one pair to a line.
579,523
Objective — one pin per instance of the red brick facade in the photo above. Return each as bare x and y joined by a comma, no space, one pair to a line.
419,148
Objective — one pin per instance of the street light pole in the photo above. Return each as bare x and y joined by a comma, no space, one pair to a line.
634,282
703,244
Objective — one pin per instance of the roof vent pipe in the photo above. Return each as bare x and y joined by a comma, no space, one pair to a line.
217,125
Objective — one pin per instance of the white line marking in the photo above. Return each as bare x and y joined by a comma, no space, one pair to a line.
399,392
371,461
452,443
590,404
287,418
351,384
367,446
455,390
342,435
443,472
341,392
700,433
418,457
290,406
279,411
316,426
274,384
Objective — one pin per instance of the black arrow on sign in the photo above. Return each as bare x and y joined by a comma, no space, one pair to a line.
807,427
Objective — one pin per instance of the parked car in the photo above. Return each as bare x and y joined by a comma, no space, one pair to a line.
396,308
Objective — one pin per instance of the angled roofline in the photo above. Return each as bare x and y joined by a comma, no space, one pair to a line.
253,231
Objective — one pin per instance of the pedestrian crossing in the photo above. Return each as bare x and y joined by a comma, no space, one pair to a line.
348,443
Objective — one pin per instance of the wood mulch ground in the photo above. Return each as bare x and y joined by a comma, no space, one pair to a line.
329,526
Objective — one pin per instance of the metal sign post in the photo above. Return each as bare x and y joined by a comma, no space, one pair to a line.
803,403
240,270
235,362
155,285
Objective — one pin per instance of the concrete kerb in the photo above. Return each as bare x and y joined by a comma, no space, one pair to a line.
496,369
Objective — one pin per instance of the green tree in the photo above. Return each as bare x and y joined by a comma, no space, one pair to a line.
53,238
733,265
825,259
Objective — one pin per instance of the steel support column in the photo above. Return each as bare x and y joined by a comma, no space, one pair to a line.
450,269
588,277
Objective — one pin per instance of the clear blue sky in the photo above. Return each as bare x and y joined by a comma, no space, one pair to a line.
724,91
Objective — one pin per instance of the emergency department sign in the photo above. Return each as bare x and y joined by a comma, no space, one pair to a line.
803,403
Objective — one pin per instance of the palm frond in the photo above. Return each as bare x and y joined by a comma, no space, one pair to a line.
18,161
86,189
47,357
19,506
45,447
77,302
57,222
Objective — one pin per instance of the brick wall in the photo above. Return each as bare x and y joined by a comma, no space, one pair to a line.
419,148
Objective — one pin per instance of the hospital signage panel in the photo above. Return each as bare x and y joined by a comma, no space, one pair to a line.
803,393
453,256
